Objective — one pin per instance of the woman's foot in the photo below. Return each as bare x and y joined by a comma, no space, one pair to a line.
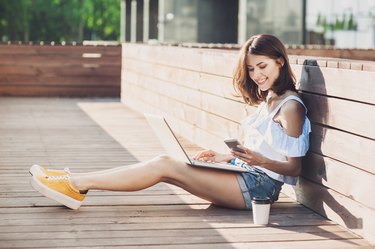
60,189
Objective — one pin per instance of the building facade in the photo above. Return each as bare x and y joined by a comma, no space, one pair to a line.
342,23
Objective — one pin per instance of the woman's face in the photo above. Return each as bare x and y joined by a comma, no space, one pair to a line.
262,70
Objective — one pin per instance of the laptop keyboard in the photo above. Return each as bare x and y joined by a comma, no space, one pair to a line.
198,162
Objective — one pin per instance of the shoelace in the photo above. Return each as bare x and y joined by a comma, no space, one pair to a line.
67,170
57,178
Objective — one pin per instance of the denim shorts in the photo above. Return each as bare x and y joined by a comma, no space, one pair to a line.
256,183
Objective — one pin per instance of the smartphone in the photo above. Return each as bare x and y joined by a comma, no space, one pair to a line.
232,144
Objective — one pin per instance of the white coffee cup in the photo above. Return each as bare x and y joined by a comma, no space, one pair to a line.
261,210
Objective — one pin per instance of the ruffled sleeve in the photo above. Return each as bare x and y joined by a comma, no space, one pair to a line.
285,144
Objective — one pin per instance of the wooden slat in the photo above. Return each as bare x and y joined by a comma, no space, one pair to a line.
337,82
67,80
350,116
71,70
341,177
58,59
345,211
61,91
353,54
344,147
40,49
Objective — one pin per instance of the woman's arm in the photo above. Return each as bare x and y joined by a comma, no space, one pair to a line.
291,167
291,118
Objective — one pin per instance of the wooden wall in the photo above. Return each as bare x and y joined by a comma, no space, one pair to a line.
65,71
304,50
193,89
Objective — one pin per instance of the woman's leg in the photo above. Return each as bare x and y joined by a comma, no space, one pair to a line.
216,186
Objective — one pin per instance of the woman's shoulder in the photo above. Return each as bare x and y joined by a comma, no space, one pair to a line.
292,102
292,115
290,93
293,111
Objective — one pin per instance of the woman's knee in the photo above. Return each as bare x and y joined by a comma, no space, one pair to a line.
163,162
167,166
161,159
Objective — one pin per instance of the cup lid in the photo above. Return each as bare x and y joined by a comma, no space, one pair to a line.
261,200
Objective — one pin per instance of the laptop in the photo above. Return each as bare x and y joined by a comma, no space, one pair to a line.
174,149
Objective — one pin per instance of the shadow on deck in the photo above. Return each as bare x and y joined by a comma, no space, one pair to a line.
94,134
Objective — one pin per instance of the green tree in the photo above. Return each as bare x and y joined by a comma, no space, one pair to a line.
14,19
59,20
102,19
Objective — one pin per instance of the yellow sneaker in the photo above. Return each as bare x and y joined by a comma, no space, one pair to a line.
60,189
37,170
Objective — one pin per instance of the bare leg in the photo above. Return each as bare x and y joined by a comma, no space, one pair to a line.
218,187
100,172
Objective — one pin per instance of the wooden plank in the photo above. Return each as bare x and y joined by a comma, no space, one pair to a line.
331,244
37,49
57,60
336,207
62,91
350,116
68,80
231,235
284,206
344,147
353,54
113,200
82,70
277,220
336,82
341,177
166,226
157,241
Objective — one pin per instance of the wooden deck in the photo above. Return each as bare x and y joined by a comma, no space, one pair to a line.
92,134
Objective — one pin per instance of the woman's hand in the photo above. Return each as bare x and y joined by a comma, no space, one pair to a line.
212,156
248,156
291,167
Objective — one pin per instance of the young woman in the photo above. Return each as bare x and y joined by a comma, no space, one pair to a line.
276,138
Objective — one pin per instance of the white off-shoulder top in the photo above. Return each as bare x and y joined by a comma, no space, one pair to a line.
265,136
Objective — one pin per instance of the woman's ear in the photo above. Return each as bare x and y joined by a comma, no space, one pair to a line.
281,61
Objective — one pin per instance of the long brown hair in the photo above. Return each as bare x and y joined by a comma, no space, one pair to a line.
272,47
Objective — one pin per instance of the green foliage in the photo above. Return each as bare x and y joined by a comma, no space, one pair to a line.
59,20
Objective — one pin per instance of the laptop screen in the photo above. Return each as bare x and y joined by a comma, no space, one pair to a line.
167,138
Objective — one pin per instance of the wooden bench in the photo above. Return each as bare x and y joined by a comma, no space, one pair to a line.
193,89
